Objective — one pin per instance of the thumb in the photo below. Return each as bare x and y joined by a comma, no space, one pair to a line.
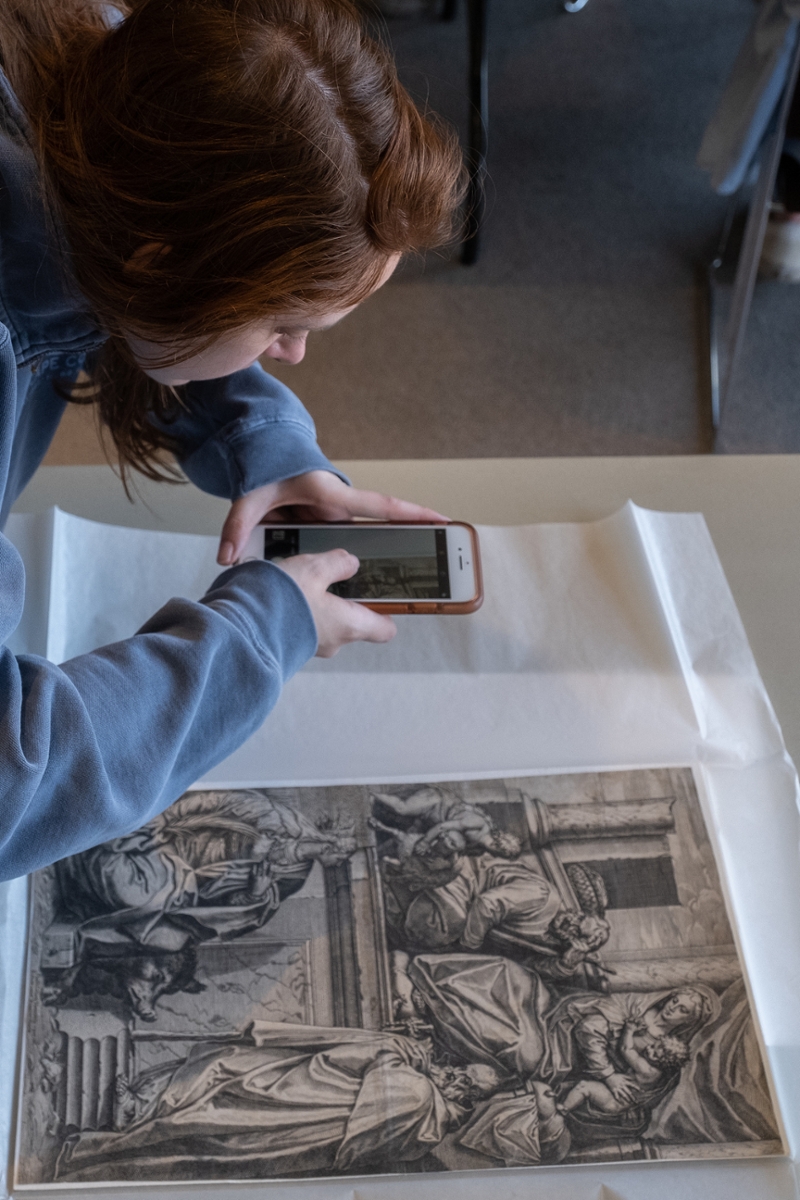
243,516
365,625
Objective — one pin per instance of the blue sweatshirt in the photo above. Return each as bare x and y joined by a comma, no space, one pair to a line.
95,747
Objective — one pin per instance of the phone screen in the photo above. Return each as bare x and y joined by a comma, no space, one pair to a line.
396,563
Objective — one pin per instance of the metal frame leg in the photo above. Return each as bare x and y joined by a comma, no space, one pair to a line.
478,125
713,315
728,348
713,347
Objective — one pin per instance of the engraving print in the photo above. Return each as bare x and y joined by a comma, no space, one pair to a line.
279,983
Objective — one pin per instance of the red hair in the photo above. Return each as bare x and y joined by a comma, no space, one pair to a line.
267,145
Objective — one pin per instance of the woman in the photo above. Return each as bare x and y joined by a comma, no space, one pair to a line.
185,186
586,1031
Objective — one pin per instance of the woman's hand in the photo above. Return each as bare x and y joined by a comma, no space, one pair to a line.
622,1088
338,621
315,496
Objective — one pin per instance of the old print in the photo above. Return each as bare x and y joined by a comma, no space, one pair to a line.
392,579
271,984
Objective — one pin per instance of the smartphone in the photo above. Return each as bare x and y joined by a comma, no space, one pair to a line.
403,568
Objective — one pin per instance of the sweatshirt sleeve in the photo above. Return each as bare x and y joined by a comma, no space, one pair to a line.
242,431
94,748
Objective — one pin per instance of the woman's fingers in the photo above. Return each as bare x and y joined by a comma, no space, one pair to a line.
388,508
243,516
365,624
621,1088
316,495
331,499
338,621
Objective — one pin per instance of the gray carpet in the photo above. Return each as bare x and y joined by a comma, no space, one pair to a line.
580,330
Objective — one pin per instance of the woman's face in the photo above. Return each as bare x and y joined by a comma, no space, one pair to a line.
281,338
680,1009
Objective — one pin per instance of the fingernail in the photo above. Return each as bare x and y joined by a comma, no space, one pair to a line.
225,555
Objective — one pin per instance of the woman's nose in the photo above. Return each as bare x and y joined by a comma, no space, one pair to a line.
290,350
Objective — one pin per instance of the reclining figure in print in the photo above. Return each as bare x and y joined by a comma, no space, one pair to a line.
283,1100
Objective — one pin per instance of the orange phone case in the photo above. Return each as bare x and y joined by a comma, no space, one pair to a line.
437,606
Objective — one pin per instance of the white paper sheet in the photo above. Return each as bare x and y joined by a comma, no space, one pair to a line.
610,644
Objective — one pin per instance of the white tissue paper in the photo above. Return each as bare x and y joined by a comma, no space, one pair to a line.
604,645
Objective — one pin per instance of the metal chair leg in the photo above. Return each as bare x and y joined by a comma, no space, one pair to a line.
713,306
478,126
730,345
713,347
